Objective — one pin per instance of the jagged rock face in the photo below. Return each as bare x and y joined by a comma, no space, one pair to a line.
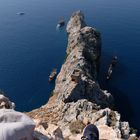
87,112
77,98
82,112
83,54
76,22
51,132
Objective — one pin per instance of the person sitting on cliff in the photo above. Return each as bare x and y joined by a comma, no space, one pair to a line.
90,132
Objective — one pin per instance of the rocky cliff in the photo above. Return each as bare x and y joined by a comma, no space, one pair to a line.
77,77
77,98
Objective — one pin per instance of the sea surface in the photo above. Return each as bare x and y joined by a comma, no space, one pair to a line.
30,46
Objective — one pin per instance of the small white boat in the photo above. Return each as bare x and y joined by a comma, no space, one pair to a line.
109,73
61,23
21,13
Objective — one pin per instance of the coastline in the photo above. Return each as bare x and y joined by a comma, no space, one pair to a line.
77,95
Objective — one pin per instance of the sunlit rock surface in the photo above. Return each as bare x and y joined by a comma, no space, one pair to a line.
77,98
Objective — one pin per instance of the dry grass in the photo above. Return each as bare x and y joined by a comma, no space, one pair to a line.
76,127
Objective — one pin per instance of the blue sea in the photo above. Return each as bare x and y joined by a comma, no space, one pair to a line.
30,46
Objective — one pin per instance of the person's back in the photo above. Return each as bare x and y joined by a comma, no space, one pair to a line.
15,125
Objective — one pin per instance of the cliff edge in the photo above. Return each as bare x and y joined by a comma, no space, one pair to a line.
77,98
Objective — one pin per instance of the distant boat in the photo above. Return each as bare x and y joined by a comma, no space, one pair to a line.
111,66
114,60
21,13
61,23
53,74
109,72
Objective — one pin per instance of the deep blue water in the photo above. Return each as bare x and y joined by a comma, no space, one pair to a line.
30,46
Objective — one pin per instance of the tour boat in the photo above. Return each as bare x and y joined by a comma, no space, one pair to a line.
53,74
111,66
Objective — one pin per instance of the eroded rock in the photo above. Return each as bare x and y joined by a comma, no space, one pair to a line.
77,98
6,103
78,74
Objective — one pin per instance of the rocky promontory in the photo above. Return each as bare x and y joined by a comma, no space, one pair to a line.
77,98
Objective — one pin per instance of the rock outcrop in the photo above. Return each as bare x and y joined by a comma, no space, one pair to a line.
77,98
6,103
78,74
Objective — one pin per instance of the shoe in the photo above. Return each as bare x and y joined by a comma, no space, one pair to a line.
90,132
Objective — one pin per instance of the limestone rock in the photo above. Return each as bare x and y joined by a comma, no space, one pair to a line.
6,103
78,74
125,130
47,131
107,133
76,22
77,98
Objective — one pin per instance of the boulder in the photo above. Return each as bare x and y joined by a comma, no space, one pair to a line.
78,74
6,103
107,133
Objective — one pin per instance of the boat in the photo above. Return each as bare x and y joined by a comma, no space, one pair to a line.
21,13
111,66
61,23
53,74
109,73
114,60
